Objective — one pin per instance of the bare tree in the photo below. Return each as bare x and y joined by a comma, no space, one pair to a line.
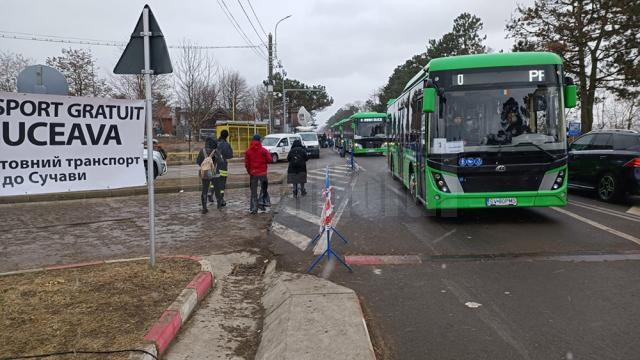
132,86
80,71
195,88
618,113
258,97
10,66
235,92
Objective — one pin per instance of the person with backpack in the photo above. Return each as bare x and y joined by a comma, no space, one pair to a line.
256,161
209,159
226,153
297,171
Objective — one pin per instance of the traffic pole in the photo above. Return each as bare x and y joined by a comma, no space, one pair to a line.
150,161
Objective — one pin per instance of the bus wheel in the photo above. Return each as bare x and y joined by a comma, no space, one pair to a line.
413,187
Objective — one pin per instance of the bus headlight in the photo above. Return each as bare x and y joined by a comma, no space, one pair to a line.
357,146
559,180
440,183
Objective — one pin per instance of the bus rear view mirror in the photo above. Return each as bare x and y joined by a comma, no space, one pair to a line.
429,100
570,96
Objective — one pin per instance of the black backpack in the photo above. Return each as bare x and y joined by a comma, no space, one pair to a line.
297,160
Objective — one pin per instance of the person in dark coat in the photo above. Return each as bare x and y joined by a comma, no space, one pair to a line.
297,171
256,161
227,153
210,149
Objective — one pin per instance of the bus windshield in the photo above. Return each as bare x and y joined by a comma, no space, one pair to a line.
369,129
494,119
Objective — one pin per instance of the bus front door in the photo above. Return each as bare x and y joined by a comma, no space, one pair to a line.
421,152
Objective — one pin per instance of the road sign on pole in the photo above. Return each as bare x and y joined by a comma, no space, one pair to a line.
574,129
42,79
147,54
132,59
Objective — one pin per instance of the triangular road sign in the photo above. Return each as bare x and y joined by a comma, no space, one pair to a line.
132,59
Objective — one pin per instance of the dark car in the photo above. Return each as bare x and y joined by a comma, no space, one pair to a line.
607,161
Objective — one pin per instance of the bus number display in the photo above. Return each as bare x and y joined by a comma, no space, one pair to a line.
480,78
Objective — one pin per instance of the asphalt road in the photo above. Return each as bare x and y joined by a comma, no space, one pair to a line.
547,283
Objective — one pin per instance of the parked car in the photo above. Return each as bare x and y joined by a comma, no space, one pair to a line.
310,141
159,162
607,161
279,145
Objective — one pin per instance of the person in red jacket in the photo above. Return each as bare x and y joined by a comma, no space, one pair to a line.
256,161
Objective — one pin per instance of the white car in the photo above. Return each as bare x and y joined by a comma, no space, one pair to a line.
159,166
279,145
310,141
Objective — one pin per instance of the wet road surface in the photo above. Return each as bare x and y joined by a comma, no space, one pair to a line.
544,283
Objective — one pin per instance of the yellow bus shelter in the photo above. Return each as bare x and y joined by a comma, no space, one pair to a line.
241,133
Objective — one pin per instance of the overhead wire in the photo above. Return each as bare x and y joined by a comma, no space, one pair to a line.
238,28
85,41
256,16
252,26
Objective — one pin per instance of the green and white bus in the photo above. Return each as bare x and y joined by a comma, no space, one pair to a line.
362,133
481,131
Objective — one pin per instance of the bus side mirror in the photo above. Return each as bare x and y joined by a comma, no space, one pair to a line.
353,126
429,100
570,96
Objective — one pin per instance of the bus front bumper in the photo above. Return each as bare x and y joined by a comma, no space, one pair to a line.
440,200
361,151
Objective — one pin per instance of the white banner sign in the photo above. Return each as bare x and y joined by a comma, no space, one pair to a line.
51,144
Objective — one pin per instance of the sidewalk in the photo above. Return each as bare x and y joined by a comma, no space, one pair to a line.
33,235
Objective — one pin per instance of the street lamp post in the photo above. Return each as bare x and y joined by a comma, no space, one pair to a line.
275,46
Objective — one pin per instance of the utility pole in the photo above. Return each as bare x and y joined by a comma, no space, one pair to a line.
270,82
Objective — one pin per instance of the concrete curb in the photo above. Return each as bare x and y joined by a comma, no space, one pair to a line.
108,193
165,330
305,316
167,327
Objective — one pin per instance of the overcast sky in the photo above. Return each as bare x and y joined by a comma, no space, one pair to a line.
351,46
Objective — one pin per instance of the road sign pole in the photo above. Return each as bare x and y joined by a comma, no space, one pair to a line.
150,161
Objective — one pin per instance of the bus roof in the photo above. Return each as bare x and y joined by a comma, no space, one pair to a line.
368,115
340,122
494,60
486,61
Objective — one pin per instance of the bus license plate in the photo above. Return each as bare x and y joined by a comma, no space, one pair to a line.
502,201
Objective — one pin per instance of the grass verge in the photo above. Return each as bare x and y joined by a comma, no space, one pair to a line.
102,307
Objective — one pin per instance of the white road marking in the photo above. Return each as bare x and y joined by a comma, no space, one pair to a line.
317,177
634,210
314,177
295,238
598,225
443,236
340,170
472,304
605,211
304,215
